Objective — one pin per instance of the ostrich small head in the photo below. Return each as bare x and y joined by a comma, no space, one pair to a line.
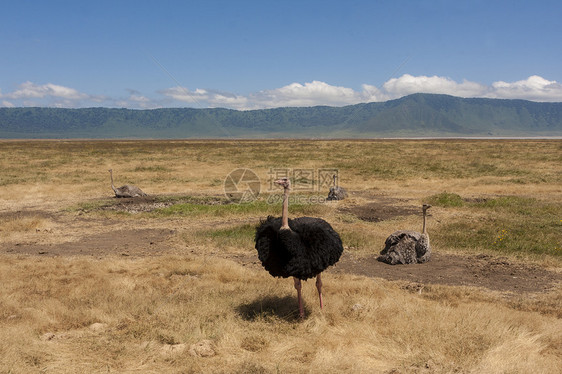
425,207
284,182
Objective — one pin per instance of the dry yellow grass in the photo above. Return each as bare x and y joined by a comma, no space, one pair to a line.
54,171
121,314
69,315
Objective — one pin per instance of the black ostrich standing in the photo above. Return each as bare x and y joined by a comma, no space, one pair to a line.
300,248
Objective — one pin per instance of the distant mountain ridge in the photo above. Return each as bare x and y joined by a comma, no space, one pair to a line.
410,116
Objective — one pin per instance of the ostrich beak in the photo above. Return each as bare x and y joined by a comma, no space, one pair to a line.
283,182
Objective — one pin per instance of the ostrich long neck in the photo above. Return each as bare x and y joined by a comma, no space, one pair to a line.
111,175
285,214
424,229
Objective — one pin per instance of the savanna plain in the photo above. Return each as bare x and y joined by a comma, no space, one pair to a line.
171,282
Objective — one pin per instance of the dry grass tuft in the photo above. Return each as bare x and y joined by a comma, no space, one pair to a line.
23,224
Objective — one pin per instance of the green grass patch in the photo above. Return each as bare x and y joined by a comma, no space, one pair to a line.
194,209
515,204
508,225
357,240
241,236
446,199
199,206
154,168
188,199
226,208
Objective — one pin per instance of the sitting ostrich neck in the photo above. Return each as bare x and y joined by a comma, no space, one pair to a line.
111,175
425,208
285,213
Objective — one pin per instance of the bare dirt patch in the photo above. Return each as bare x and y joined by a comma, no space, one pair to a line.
21,214
491,272
378,208
124,242
135,205
151,203
379,211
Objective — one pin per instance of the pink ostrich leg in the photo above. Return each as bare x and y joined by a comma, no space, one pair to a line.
319,287
298,287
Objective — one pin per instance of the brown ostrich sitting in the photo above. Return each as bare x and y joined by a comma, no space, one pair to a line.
126,190
336,192
407,247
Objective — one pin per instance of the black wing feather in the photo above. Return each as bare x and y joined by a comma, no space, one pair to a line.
304,251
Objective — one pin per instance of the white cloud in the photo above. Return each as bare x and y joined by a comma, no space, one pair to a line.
139,99
321,93
183,94
136,101
29,90
372,93
533,88
295,94
309,94
408,84
52,95
210,98
228,100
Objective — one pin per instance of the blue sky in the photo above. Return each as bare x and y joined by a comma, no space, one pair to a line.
264,54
